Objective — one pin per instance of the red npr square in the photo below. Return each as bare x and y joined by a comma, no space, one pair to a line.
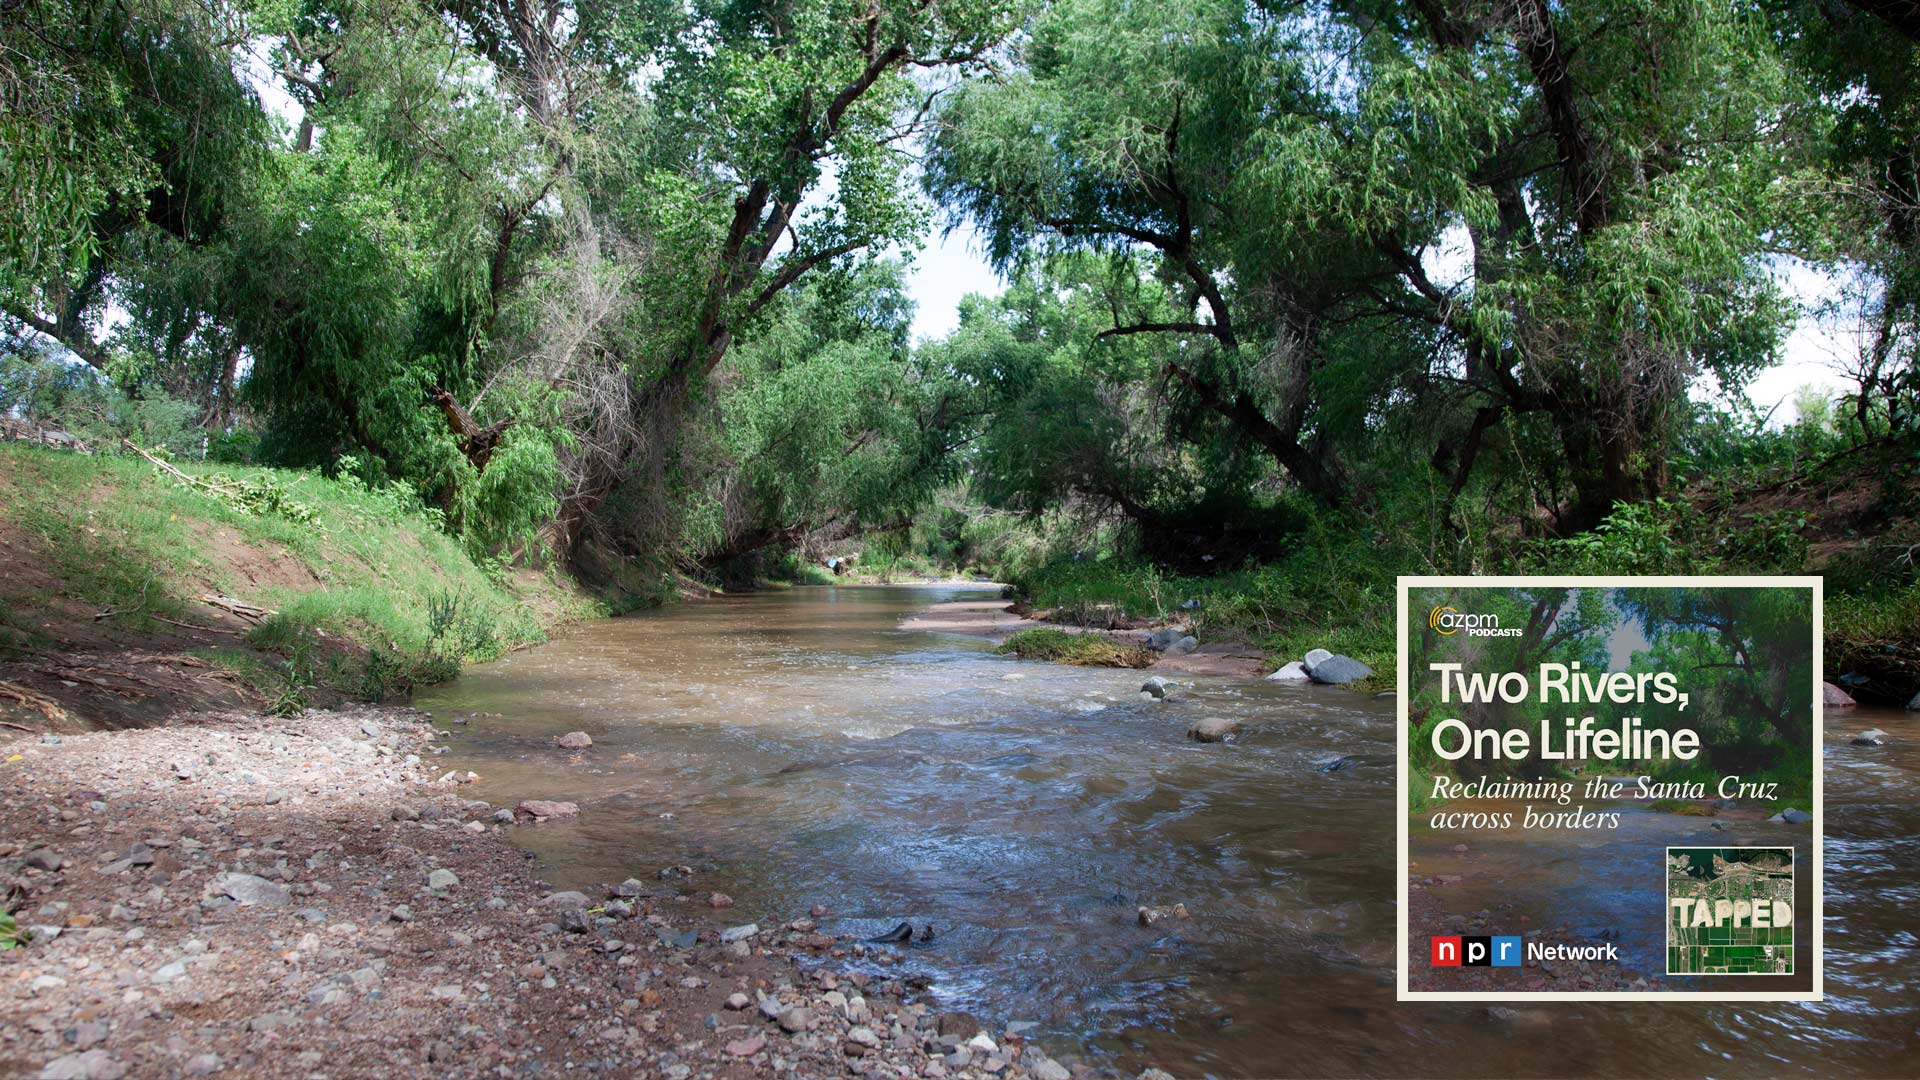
1446,952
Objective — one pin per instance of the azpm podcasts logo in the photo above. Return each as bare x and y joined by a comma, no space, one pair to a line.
1477,951
1447,619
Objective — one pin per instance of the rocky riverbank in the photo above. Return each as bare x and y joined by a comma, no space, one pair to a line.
243,895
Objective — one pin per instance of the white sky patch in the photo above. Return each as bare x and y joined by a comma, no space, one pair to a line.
1817,353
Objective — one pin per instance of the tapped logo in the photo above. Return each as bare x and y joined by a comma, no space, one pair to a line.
1447,619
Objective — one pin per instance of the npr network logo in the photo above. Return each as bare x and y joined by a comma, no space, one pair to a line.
1477,951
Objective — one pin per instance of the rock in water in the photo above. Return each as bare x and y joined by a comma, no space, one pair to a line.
1316,658
897,935
1214,729
1871,737
574,740
1157,686
248,889
542,809
1294,671
1835,697
1339,670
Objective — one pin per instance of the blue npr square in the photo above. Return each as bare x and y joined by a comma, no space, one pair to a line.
1507,952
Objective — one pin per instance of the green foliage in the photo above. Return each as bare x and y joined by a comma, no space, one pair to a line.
1083,649
12,934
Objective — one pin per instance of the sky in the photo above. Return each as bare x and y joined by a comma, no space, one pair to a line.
1815,352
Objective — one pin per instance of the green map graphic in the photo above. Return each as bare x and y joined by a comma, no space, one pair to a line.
1730,911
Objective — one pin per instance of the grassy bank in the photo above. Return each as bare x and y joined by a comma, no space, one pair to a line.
358,594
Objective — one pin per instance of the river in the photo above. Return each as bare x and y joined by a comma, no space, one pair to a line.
797,748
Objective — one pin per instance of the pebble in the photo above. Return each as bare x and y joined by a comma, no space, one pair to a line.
442,879
737,1001
747,1047
252,889
89,1065
204,1064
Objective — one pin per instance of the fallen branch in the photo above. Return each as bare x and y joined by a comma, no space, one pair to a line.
16,727
249,612
195,626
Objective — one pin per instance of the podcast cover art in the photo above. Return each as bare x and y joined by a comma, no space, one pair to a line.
1609,787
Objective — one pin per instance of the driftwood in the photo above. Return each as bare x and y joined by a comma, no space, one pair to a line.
249,612
47,707
476,442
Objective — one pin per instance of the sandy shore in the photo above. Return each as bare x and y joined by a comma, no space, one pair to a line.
238,895
996,621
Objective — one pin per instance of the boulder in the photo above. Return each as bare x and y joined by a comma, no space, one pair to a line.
541,809
1835,698
1184,646
565,899
1317,656
1157,686
1913,703
1871,737
1339,670
1213,729
574,740
1791,816
1295,671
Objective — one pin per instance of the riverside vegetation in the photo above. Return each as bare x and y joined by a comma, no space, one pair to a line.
346,342
1313,296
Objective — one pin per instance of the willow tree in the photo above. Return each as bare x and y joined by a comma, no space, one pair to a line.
1297,170
774,146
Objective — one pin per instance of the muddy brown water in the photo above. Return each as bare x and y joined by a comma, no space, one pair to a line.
796,748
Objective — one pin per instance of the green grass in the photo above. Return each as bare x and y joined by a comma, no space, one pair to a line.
371,596
1064,647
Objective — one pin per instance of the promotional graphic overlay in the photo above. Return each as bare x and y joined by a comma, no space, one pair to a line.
1609,787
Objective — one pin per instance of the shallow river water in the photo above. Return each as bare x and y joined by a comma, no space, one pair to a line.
797,748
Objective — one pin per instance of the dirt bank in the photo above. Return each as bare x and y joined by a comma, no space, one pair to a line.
242,895
997,620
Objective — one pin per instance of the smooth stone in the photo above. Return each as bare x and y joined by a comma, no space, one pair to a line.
541,809
1294,671
1315,658
1871,737
1339,670
1213,729
249,889
1836,697
574,740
